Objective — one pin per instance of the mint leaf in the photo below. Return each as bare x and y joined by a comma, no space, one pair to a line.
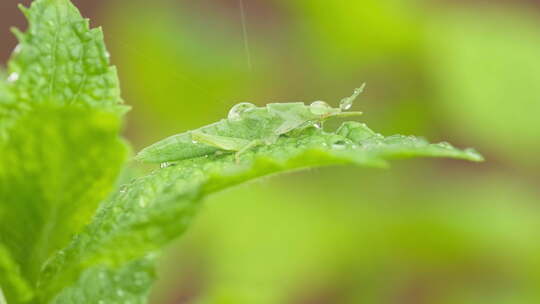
60,60
150,211
60,119
12,284
56,166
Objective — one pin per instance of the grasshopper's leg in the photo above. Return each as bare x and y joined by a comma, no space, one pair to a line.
220,142
237,145
251,145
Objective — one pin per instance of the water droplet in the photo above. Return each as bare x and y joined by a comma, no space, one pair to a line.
107,55
345,104
13,77
319,107
236,111
193,141
164,165
445,145
317,124
339,145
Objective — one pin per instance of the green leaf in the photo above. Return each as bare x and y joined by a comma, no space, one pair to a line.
60,119
12,283
56,166
150,211
60,60
8,106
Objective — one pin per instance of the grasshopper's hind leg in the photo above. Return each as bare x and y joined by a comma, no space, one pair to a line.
249,146
232,144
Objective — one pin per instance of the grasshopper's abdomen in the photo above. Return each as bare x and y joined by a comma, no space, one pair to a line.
174,148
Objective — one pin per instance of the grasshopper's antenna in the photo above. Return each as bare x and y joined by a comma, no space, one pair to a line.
348,114
347,102
245,33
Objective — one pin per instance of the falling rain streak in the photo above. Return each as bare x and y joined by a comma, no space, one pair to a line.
245,33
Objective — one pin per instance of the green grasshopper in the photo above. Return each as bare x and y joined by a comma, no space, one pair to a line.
247,126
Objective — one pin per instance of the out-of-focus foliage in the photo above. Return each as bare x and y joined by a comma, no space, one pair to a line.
486,72
392,247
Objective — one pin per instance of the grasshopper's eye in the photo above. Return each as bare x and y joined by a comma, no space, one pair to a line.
320,108
236,111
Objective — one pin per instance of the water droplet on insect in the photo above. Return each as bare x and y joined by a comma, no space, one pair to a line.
13,77
236,111
319,107
346,104
164,165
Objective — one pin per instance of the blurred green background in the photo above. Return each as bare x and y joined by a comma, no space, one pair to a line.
425,231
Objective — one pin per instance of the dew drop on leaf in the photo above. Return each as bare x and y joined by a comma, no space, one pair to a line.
319,107
445,145
236,111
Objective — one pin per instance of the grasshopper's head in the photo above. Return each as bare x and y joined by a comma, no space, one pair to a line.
322,111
